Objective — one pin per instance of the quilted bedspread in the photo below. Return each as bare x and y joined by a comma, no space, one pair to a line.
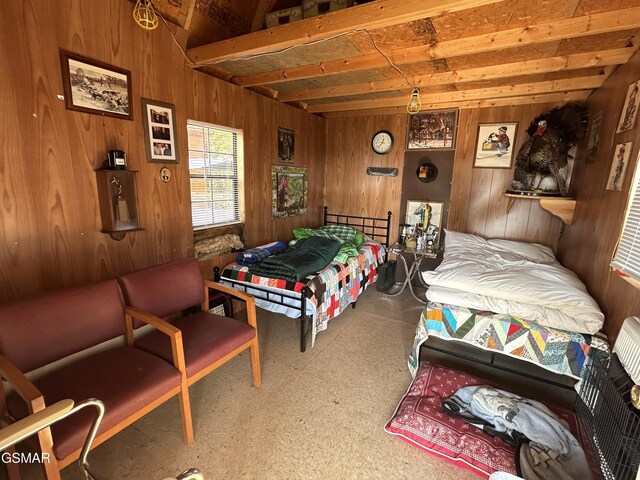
331,290
556,350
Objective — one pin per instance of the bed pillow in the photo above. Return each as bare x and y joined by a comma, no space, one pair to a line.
534,252
458,243
453,239
344,233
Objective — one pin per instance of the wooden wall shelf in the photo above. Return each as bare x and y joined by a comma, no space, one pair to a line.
561,207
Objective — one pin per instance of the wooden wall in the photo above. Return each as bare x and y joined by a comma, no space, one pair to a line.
49,212
348,188
477,204
588,245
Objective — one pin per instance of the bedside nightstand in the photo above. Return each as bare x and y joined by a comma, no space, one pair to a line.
414,269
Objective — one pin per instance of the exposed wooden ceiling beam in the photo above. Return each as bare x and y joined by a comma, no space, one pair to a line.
624,19
186,13
617,56
536,88
559,98
262,8
381,13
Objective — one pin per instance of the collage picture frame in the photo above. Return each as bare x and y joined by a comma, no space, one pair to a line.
160,140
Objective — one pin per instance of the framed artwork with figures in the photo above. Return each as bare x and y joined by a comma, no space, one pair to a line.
289,195
286,144
621,155
594,137
424,219
92,86
629,113
495,144
433,130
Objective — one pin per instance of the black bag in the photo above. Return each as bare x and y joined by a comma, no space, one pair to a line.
386,276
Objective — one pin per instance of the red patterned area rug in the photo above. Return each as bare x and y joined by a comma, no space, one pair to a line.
420,420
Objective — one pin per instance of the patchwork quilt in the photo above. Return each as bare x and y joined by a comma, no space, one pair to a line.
329,291
556,350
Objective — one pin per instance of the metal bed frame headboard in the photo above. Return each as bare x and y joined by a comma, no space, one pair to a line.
376,228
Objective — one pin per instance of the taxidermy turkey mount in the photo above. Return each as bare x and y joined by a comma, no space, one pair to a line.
552,134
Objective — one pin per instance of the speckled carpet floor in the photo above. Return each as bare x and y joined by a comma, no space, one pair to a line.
318,415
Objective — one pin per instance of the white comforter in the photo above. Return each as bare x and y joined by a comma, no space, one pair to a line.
524,280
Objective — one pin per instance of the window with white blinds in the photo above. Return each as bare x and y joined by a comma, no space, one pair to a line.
215,168
627,257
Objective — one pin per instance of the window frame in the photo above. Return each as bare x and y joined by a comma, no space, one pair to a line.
239,159
633,196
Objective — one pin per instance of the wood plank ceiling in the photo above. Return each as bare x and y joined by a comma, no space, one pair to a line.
365,59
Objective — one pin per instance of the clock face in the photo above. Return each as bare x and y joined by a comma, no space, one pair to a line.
382,142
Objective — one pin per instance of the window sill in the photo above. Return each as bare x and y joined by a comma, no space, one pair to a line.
626,277
216,241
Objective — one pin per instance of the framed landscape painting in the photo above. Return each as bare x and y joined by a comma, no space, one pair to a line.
95,87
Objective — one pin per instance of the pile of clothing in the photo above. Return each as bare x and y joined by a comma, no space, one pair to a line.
546,449
257,254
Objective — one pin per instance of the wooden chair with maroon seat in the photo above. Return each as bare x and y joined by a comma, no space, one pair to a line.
209,340
129,381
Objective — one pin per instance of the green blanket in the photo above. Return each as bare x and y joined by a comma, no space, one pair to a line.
349,238
307,256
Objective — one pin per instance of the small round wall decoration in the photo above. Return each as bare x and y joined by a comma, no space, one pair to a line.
427,172
165,174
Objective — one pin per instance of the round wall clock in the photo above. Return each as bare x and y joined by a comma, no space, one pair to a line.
382,142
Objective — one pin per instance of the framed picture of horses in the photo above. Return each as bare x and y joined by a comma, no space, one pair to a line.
433,130
92,86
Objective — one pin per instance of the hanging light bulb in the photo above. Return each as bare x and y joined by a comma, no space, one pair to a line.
414,104
144,13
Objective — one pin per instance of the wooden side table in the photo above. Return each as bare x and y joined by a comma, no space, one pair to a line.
414,269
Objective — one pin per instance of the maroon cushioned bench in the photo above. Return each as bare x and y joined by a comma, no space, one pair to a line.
130,381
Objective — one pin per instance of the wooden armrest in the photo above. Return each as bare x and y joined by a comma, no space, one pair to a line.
229,291
156,322
11,434
251,302
23,386
177,348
